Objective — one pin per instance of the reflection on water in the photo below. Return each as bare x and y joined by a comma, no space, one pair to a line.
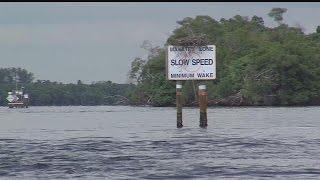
120,142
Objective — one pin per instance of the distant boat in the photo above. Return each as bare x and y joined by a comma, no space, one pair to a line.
17,98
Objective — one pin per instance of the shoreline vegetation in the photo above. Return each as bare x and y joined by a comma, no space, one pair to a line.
256,66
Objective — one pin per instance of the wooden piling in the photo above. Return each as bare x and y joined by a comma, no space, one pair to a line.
179,103
203,104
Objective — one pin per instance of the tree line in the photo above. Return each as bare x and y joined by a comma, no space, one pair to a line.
47,93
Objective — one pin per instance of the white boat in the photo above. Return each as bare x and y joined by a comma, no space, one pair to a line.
17,98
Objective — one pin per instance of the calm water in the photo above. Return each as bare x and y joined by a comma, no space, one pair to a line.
119,142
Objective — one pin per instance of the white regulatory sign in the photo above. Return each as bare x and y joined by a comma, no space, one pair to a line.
191,63
10,98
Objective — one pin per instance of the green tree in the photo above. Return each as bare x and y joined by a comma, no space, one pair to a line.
8,75
256,65
277,14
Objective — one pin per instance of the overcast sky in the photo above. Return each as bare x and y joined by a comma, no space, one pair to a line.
67,41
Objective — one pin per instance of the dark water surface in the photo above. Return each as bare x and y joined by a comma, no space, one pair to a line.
119,142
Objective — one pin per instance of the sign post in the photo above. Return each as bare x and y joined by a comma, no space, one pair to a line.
203,104
191,63
179,103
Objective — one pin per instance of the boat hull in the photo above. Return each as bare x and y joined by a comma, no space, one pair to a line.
17,105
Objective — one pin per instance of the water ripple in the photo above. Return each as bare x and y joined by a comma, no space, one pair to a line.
147,146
